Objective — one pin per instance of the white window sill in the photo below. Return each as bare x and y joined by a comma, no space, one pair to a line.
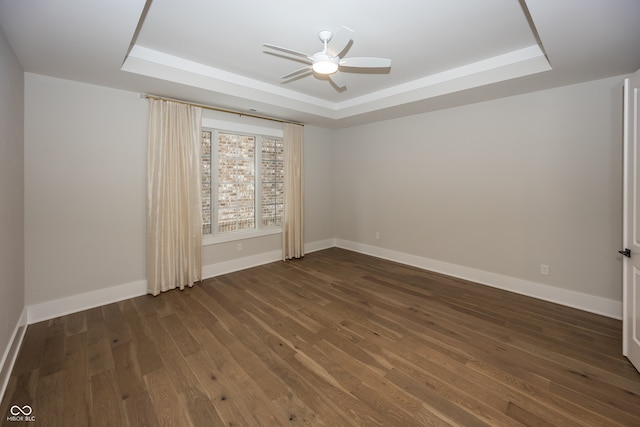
239,235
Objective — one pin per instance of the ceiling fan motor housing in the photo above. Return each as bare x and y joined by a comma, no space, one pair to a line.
325,36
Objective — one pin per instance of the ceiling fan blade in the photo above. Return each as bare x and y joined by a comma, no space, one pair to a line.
296,72
340,41
289,51
365,62
338,80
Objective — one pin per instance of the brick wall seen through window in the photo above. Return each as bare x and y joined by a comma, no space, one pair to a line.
242,182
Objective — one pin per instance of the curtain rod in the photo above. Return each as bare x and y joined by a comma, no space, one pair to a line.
222,110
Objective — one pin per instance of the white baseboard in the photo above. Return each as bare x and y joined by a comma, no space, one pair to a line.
11,352
319,245
585,302
213,270
224,267
74,303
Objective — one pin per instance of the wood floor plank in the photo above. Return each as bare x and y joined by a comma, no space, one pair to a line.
335,339
525,417
75,323
140,411
127,373
99,348
370,386
49,406
166,400
201,409
484,405
439,403
76,390
181,335
107,407
94,315
238,400
244,345
53,357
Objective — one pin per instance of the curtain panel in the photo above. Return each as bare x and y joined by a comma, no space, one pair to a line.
174,208
293,220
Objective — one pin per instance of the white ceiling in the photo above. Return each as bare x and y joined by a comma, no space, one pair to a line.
444,53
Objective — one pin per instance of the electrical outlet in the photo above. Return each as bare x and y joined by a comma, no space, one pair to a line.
239,247
544,269
377,235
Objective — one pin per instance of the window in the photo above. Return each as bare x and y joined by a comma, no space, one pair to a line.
242,182
272,182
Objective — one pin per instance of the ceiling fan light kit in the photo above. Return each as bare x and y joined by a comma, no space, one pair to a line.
326,65
330,60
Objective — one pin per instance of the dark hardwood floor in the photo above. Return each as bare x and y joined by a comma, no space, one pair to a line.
335,339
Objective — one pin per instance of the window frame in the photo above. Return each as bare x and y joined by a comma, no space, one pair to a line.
216,126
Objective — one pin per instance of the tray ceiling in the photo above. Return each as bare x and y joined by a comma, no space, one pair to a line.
443,53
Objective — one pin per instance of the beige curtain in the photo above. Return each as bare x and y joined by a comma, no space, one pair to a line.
293,221
174,208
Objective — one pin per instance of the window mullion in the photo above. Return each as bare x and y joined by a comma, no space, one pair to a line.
258,184
236,181
215,184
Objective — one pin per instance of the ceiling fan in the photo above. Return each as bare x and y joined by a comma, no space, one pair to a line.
330,60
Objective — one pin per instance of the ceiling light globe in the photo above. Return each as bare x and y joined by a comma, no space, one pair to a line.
326,66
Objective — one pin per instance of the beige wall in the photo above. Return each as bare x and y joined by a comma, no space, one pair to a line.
11,194
318,172
500,186
85,161
84,187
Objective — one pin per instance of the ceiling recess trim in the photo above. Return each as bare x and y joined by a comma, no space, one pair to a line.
518,63
511,65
